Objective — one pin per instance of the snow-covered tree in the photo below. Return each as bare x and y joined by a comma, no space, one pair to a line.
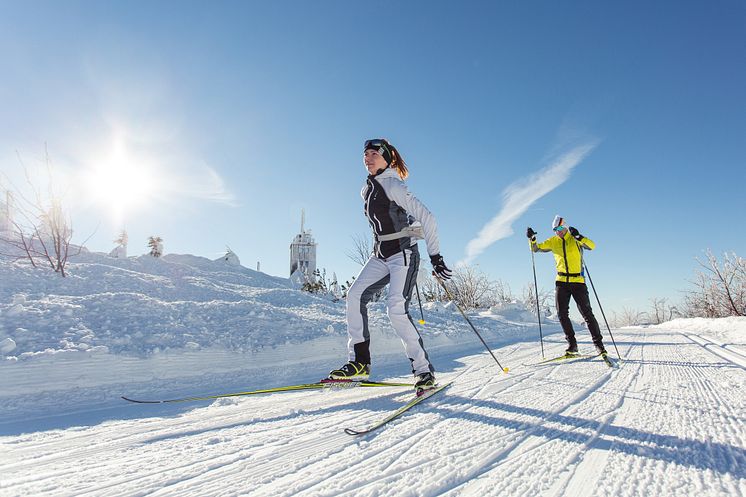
230,258
156,246
120,251
334,287
719,290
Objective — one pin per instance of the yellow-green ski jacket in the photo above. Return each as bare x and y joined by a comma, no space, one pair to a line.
568,255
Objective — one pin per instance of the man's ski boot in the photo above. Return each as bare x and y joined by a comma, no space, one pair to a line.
353,371
601,350
425,382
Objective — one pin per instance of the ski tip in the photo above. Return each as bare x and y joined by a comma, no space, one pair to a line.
353,433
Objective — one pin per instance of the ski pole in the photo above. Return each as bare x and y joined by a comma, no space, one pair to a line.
448,294
419,300
538,313
585,266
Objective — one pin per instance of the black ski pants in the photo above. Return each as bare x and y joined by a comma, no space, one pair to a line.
579,292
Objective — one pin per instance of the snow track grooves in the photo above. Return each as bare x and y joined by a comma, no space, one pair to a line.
737,357
669,422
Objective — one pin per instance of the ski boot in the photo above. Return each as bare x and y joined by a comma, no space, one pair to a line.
601,350
425,382
572,351
354,371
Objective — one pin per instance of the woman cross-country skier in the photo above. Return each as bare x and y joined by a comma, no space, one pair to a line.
567,246
398,220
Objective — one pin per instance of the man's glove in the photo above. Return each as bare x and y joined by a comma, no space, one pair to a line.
439,266
531,234
575,234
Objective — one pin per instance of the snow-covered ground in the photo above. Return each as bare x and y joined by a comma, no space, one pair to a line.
670,421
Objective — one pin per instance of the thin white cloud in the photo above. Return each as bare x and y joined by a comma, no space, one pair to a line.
203,183
519,196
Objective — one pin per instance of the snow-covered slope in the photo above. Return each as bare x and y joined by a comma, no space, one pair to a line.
116,325
669,422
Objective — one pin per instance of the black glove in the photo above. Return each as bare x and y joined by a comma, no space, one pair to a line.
531,234
575,234
439,266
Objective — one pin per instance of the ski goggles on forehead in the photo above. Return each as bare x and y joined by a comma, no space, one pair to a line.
375,144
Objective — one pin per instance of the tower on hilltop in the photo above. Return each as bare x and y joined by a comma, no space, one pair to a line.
303,251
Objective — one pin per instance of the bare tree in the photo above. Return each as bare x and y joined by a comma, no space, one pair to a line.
41,231
500,293
431,290
528,298
719,289
469,287
628,317
362,249
658,310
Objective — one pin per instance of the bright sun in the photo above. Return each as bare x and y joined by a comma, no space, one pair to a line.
122,183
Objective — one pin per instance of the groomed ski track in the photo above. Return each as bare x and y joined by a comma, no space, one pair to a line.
670,421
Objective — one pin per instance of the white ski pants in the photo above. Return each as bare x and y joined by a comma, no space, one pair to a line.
400,272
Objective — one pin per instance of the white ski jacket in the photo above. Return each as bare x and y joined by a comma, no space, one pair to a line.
392,210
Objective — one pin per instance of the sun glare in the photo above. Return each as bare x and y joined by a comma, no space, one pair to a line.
121,183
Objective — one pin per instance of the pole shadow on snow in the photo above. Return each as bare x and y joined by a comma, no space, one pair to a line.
715,456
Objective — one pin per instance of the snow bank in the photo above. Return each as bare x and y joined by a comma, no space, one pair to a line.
513,312
731,329
119,324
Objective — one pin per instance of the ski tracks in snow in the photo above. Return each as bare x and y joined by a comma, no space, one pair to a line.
670,421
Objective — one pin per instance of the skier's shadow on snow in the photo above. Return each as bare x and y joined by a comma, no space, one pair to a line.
719,457
377,405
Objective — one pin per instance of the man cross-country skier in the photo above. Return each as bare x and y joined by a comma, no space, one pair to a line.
392,212
567,245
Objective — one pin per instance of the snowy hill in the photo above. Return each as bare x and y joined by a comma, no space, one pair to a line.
183,318
670,421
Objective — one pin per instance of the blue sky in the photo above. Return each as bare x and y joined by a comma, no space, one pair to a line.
228,118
